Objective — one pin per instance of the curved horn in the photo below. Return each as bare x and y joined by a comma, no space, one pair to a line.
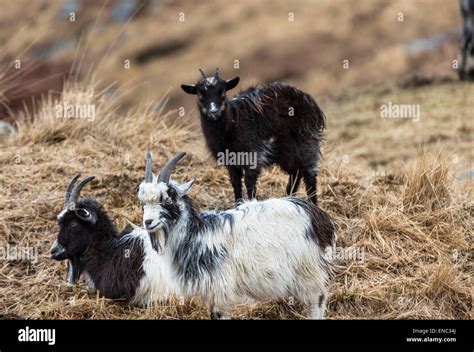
216,73
70,187
77,190
202,74
166,172
148,168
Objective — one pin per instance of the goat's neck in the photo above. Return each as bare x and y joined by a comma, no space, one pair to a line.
101,248
108,257
195,249
114,266
189,217
222,125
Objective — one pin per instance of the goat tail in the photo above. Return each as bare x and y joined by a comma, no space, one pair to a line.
322,228
316,117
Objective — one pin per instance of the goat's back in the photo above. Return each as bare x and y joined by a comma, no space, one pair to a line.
274,245
279,108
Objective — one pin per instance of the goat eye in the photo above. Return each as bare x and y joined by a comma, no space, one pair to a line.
73,224
83,213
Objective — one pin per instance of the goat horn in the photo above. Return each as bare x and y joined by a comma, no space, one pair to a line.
216,74
148,168
168,168
69,189
202,74
77,190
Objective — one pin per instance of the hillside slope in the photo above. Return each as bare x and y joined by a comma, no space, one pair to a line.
404,222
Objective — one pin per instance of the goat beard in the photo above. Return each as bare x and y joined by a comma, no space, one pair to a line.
74,270
156,241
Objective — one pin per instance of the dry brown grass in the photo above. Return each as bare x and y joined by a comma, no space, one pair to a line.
407,216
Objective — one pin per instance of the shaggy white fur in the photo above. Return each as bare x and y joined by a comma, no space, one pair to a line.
259,250
157,283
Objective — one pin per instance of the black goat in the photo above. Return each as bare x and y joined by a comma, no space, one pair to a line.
120,266
466,69
273,124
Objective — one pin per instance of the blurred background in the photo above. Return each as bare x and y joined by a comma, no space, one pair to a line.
152,46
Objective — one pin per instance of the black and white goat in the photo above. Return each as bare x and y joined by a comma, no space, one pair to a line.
278,123
466,67
262,250
120,266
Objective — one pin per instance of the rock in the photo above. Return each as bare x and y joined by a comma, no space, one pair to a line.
6,128
465,174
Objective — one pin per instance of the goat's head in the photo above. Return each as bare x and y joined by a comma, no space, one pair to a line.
211,93
77,228
161,198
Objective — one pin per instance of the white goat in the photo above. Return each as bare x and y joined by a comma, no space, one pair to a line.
273,249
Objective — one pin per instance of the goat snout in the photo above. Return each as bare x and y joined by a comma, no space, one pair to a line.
58,252
213,109
150,224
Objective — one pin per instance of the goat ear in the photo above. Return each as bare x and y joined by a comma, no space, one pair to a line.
189,88
86,215
184,188
232,83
